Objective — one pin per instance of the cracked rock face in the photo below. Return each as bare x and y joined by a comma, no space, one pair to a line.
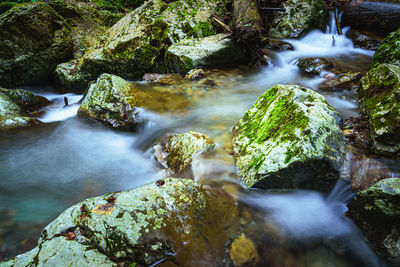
175,217
290,138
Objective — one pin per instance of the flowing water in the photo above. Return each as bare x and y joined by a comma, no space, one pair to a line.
44,170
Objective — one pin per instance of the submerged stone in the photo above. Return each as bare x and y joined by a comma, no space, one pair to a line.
377,211
379,98
290,138
209,52
313,65
110,101
174,217
177,152
12,115
300,16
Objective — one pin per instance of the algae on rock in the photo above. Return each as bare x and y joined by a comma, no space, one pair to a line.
290,138
110,100
379,98
389,50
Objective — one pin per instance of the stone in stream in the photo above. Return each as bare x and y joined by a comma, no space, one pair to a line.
209,52
343,81
376,210
290,138
12,115
314,65
300,17
172,218
363,40
389,50
177,152
111,101
25,99
379,98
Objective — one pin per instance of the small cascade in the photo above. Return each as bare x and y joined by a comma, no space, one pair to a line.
64,106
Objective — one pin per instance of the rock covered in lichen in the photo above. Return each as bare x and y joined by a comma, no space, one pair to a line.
377,211
244,252
300,16
177,152
12,115
209,52
174,217
290,138
379,98
110,100
34,39
389,50
138,42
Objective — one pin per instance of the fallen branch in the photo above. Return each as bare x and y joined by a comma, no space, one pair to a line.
223,25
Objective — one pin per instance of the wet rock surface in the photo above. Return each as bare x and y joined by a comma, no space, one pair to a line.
290,138
25,99
110,100
177,152
300,16
376,212
389,50
379,102
364,41
314,65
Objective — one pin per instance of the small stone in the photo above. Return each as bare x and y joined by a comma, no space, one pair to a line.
244,252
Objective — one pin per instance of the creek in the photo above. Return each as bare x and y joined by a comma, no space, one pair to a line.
45,169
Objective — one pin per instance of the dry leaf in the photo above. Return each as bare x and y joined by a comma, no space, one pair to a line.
70,236
107,208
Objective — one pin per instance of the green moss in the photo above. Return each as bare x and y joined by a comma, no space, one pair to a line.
389,50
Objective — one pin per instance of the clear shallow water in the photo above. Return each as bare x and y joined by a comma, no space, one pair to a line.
46,169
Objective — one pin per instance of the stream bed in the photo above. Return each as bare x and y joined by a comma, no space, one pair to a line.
45,169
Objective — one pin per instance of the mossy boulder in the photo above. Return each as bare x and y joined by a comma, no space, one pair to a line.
177,152
377,211
379,98
138,42
290,138
110,101
209,52
174,219
34,39
25,99
300,16
12,115
389,50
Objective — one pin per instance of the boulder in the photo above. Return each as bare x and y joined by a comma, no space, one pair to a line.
363,40
300,16
376,210
110,101
138,42
290,138
70,78
25,99
209,52
11,115
34,39
174,219
389,50
379,98
177,152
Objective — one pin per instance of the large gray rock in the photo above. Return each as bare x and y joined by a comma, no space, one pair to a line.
290,138
377,211
110,100
300,16
138,42
12,115
34,39
174,217
379,98
209,52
